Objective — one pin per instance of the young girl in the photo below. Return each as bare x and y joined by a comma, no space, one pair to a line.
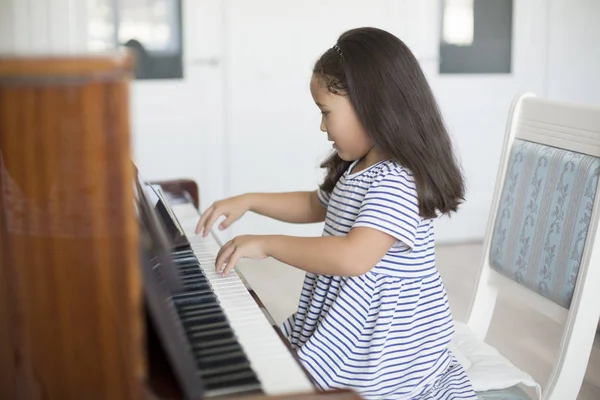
373,314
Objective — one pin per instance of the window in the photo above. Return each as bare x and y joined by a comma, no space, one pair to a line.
151,28
476,36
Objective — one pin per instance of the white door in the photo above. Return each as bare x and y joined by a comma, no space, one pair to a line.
177,124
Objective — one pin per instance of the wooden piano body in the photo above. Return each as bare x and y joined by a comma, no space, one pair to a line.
74,316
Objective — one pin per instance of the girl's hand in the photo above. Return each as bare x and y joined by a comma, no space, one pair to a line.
248,246
232,208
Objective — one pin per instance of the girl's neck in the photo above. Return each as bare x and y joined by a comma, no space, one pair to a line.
372,157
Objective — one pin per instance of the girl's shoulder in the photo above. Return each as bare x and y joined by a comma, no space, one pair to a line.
389,169
386,179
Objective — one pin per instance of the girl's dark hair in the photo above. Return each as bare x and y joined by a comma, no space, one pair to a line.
396,107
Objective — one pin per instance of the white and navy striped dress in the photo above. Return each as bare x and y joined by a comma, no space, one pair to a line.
384,333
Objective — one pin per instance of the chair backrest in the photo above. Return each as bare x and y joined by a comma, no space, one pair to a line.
542,241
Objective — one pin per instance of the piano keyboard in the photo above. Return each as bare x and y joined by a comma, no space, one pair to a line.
276,369
221,361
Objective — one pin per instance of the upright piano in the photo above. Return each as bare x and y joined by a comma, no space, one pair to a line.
105,291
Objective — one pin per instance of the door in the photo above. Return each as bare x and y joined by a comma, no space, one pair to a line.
177,99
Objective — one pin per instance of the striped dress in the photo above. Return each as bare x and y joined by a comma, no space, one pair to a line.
384,333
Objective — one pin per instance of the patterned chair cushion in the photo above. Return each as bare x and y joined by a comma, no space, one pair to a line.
543,218
513,393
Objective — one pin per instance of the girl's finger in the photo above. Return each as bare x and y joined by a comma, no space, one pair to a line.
203,218
211,220
223,256
226,222
235,257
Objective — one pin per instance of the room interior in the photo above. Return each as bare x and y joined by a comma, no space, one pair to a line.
221,97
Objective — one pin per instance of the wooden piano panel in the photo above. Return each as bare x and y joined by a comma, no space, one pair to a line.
70,305
72,325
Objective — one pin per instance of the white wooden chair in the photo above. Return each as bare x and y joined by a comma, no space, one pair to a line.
542,244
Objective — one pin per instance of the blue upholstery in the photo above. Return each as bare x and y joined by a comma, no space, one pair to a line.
513,393
543,218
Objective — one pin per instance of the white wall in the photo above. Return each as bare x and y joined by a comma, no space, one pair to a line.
573,59
271,104
204,127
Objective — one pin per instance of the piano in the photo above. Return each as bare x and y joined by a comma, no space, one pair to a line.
231,346
105,291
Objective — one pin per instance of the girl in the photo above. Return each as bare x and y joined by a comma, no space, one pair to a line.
373,314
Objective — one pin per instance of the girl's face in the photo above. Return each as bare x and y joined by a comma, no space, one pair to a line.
340,122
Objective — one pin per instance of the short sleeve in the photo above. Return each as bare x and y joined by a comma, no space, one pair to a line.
391,206
323,197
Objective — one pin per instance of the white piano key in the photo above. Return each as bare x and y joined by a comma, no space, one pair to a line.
275,366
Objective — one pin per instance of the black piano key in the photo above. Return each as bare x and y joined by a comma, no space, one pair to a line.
243,378
234,357
187,312
193,287
190,295
201,288
187,263
183,248
184,308
188,271
234,366
201,283
191,271
206,319
196,287
207,345
197,309
196,271
207,329
195,278
194,297
189,267
223,333
225,347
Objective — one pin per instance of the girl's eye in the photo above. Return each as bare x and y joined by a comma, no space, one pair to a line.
324,113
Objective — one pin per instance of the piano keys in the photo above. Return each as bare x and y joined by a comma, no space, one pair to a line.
234,346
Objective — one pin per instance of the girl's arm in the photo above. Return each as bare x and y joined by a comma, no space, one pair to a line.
293,207
351,255
389,212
